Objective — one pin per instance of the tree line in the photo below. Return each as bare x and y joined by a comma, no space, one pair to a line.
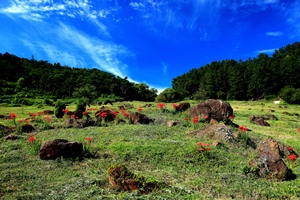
29,77
263,76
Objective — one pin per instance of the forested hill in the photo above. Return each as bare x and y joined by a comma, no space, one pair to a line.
243,80
31,77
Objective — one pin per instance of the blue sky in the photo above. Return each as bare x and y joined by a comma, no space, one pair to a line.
149,41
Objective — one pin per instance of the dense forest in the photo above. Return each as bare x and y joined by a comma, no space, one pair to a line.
261,77
264,76
22,77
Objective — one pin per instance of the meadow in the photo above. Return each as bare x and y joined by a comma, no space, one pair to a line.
166,155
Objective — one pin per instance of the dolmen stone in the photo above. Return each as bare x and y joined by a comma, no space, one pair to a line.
268,163
137,117
258,120
60,148
182,107
212,109
107,115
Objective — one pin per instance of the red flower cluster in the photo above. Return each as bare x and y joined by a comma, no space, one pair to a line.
89,139
195,120
161,105
231,117
126,114
290,149
31,139
174,105
243,129
203,147
47,118
292,157
140,108
65,110
103,114
13,116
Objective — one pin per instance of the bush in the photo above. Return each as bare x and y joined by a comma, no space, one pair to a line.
81,104
48,102
59,107
290,95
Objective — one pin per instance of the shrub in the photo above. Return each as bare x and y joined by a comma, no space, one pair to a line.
81,104
290,95
59,107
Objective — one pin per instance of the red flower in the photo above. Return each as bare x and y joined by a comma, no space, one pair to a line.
161,105
126,114
290,149
65,110
29,113
186,118
84,113
20,120
174,105
47,118
140,108
292,157
199,143
205,117
115,113
243,128
208,149
201,149
33,115
103,114
89,139
231,117
206,145
13,115
73,116
31,139
195,120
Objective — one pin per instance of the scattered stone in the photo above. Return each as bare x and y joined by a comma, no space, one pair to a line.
122,179
110,116
268,163
60,148
6,130
287,113
172,123
48,112
27,128
212,109
218,132
11,137
137,117
182,107
258,120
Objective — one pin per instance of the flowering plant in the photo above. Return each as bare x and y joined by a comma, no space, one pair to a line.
204,149
35,145
87,146
292,158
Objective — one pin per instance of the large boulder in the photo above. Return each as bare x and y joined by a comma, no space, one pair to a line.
212,109
137,117
269,163
60,148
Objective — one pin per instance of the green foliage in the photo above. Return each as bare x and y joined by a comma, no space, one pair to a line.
290,95
81,104
42,78
168,95
60,105
243,80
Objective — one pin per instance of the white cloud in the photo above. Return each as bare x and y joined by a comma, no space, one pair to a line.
278,33
164,67
265,51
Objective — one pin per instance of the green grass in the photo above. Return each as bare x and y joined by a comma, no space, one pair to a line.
164,154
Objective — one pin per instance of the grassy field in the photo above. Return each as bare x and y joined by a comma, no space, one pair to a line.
166,155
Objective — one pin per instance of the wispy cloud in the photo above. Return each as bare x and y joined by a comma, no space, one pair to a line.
265,51
164,68
278,33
